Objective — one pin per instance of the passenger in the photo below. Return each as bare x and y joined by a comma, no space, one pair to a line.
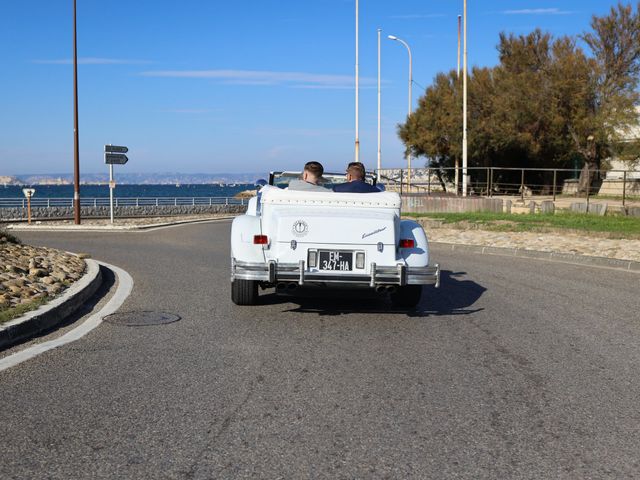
311,175
355,181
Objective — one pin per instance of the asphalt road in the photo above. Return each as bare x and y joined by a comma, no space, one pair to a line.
515,368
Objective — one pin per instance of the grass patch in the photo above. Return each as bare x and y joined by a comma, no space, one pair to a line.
10,313
615,226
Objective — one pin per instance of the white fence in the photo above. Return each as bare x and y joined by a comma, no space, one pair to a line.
120,202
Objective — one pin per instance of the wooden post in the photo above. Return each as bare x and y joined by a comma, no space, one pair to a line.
522,186
624,187
555,173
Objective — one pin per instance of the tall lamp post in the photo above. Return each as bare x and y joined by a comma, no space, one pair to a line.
465,178
393,37
357,146
379,141
76,155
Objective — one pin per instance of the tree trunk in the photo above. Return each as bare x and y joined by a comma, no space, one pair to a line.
441,180
587,176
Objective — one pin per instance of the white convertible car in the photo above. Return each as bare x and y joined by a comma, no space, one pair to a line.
289,239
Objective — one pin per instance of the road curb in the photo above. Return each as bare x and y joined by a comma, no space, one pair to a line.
108,228
576,259
54,312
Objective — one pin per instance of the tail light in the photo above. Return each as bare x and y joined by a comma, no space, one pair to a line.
407,243
260,240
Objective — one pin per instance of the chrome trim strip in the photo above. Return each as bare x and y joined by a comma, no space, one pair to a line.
393,275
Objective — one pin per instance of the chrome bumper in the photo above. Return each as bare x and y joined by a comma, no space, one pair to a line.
274,272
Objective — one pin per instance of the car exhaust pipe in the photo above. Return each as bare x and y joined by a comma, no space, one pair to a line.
391,288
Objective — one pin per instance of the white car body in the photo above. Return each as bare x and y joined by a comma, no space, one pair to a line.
291,238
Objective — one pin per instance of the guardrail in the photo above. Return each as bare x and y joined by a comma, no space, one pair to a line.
120,202
523,182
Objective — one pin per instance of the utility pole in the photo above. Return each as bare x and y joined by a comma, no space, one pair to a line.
357,152
464,107
76,153
456,180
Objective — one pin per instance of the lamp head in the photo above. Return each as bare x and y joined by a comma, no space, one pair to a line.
392,37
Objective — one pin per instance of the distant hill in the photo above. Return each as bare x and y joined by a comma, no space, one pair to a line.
6,180
136,178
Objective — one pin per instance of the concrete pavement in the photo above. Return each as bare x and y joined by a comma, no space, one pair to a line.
515,368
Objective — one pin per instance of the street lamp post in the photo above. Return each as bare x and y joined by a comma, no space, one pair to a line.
393,37
465,178
379,141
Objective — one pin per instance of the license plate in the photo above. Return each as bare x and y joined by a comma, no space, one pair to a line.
330,260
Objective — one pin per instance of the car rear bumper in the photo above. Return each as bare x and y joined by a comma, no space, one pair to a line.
273,272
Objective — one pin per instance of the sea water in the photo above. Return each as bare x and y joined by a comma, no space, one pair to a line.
124,190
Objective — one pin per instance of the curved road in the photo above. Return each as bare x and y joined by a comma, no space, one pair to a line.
515,368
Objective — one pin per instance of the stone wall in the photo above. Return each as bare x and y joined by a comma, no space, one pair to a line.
44,213
416,203
615,187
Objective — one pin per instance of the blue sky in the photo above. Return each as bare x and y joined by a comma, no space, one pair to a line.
223,86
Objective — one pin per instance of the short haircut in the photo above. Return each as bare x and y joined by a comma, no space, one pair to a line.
356,169
314,168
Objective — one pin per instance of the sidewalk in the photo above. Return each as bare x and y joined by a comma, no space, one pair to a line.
569,243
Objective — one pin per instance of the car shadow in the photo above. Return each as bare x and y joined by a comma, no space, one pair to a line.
456,296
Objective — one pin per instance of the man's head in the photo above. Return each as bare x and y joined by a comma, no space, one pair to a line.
312,172
355,171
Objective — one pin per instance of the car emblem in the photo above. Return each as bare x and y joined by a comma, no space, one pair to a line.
365,235
300,228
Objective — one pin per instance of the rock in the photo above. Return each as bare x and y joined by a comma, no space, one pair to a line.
16,282
32,264
54,289
84,255
58,275
48,280
37,272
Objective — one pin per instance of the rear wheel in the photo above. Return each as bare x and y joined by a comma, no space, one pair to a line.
244,292
407,296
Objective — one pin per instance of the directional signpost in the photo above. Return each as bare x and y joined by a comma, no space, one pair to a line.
28,192
115,159
114,155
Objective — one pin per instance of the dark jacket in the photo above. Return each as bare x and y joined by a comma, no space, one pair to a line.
356,186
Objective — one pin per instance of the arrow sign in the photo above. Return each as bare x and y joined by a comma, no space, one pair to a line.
115,158
115,149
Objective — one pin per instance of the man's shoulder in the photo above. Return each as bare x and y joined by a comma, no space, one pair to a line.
302,185
355,187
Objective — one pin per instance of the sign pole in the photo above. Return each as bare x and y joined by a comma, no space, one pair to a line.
111,191
114,154
28,192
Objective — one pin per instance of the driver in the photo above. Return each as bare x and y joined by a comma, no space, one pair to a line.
310,177
355,181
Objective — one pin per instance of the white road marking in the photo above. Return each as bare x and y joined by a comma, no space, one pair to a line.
125,285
